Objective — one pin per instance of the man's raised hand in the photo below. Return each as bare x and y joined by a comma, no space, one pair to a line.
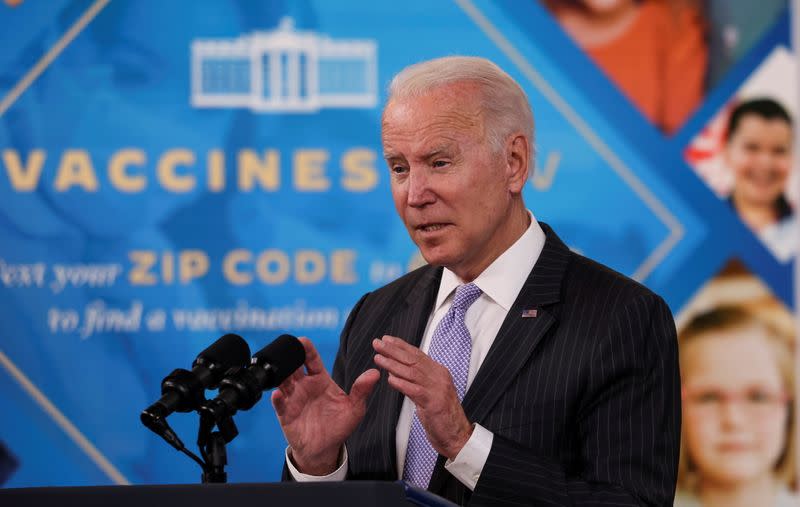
316,415
430,386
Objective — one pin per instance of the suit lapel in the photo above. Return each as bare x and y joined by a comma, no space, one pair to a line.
520,332
408,323
515,341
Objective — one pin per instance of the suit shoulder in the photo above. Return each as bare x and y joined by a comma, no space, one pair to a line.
588,279
618,307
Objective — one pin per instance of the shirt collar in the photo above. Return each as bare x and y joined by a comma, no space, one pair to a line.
504,277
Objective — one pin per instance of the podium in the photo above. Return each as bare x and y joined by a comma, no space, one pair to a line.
328,494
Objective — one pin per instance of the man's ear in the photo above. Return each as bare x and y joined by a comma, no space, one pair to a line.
517,162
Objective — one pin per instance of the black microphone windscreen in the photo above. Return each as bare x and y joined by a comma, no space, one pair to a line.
230,351
285,354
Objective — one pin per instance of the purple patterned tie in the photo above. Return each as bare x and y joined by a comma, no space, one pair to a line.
451,346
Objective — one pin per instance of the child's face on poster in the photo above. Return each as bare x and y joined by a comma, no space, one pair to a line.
760,155
735,406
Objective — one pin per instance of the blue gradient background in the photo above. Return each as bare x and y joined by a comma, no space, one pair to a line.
124,82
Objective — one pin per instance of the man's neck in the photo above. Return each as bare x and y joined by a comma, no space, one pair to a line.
518,222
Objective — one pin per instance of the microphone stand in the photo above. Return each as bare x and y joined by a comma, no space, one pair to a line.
211,443
212,446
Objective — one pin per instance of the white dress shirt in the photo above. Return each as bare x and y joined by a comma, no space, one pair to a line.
501,283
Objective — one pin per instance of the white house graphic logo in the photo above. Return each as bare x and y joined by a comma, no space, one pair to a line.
284,71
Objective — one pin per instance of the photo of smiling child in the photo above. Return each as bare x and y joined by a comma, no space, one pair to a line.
758,151
745,154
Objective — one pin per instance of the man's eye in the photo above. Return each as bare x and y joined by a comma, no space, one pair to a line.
441,163
398,169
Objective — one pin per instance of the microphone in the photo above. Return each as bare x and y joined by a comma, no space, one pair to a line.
184,391
268,368
8,463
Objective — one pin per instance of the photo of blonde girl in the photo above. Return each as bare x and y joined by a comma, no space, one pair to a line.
738,432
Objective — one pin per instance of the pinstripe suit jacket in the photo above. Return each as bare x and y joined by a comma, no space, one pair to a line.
583,399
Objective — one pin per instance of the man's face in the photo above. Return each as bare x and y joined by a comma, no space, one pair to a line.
451,188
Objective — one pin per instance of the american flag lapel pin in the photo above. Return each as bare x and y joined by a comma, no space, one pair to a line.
529,314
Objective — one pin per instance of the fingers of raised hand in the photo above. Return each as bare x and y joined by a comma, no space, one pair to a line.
288,386
411,373
363,386
415,392
284,407
399,350
408,353
313,362
278,401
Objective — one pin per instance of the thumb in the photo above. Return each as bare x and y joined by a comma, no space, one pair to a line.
363,386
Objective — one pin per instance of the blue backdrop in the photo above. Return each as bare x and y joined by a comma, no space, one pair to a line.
176,170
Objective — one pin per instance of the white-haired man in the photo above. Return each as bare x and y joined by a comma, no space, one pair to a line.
515,372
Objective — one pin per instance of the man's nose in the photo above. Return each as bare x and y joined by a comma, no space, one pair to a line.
419,190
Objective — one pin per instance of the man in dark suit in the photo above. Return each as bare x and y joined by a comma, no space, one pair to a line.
510,370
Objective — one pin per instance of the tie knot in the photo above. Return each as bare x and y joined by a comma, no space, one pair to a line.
466,295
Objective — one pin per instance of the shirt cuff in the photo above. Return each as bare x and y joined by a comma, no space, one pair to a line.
337,475
468,465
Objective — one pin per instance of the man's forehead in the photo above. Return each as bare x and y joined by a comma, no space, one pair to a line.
430,115
422,121
459,100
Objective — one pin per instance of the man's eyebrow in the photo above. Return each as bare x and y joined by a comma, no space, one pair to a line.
445,149
437,151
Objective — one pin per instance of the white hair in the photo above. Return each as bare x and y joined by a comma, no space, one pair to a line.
505,104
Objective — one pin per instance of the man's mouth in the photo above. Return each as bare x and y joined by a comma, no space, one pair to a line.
431,227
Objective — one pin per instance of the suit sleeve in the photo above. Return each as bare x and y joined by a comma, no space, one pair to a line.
628,425
339,364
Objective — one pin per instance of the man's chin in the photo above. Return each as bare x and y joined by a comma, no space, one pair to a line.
435,257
